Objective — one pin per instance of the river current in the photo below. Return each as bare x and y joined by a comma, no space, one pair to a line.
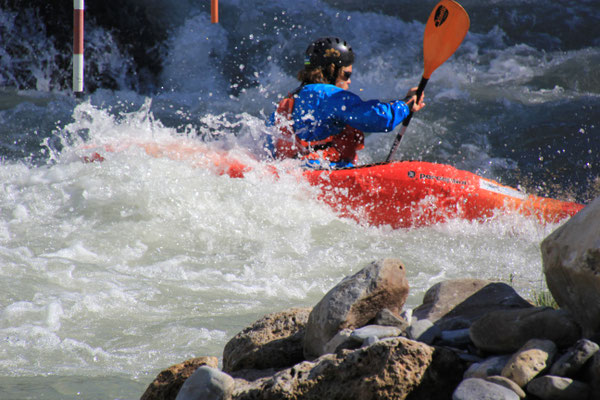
113,271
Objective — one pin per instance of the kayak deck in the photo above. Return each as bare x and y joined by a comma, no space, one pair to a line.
415,193
400,194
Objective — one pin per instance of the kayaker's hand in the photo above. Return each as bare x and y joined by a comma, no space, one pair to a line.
411,100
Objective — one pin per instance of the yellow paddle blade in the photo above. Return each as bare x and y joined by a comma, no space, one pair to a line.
446,28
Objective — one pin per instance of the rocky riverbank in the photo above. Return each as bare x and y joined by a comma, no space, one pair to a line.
469,339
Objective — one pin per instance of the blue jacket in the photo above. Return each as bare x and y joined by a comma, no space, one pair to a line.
322,110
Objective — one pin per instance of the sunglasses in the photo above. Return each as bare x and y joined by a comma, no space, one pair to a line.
346,75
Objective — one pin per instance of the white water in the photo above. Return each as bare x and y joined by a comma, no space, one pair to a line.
124,267
113,271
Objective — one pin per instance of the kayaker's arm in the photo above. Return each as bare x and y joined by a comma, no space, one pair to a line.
372,115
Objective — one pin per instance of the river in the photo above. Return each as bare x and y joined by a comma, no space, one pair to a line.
113,271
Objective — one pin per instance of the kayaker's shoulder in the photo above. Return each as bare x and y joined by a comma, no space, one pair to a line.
320,88
325,91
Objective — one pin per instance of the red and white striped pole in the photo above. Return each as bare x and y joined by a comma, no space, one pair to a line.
78,47
214,11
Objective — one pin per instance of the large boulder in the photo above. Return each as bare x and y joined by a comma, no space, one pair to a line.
354,302
274,341
571,258
507,330
388,369
457,303
168,382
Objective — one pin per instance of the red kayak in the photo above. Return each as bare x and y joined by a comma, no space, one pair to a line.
416,193
400,194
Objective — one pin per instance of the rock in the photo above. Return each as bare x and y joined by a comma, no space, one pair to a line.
468,357
444,296
507,330
455,304
479,389
457,337
593,375
354,302
274,341
251,375
388,369
533,358
361,334
168,382
406,315
342,340
507,383
423,330
387,318
550,387
352,339
571,362
369,341
207,384
571,260
489,367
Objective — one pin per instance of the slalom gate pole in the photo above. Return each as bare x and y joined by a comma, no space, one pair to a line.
214,11
78,47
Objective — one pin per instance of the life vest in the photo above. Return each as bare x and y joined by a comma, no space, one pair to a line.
336,148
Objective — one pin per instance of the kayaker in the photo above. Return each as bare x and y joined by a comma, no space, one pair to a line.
321,121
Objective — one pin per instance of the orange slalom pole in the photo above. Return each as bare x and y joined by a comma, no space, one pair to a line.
214,11
78,47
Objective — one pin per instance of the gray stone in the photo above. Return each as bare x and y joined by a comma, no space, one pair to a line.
479,389
423,330
507,383
354,302
370,340
456,337
361,334
507,330
351,339
533,358
387,318
455,304
489,367
342,340
571,260
571,362
550,387
169,381
207,384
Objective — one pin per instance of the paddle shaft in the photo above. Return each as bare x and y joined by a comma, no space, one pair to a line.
406,121
445,30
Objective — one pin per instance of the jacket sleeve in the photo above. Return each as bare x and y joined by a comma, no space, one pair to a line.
368,116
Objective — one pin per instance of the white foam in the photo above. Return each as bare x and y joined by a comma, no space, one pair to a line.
125,266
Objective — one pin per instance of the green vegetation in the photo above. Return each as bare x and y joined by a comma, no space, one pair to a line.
544,299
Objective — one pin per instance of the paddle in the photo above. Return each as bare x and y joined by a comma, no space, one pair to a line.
446,28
